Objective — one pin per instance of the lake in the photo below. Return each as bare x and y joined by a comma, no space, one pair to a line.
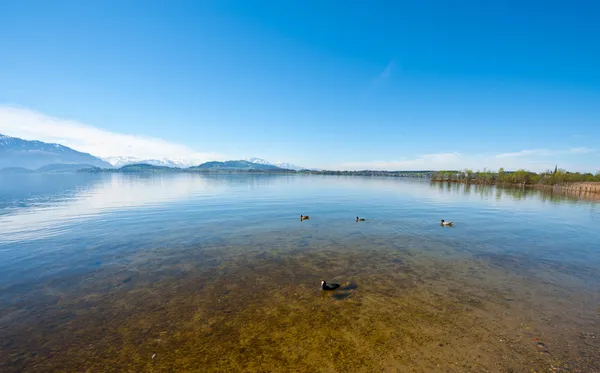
216,273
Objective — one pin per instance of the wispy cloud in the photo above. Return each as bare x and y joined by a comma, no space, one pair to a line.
545,152
581,150
533,160
525,153
32,125
387,72
380,79
422,162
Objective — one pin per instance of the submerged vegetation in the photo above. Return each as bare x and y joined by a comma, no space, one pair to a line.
253,304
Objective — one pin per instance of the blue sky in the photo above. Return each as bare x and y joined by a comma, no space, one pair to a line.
423,84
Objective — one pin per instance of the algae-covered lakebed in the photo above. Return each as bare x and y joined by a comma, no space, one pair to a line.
177,273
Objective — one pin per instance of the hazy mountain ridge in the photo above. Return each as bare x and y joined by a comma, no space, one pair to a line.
227,166
235,165
16,152
15,171
61,168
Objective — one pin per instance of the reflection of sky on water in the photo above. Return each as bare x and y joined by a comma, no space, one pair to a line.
54,219
38,214
109,194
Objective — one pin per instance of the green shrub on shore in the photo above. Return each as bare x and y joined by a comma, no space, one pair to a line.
550,177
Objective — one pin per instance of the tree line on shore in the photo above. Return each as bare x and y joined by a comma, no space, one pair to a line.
415,174
550,177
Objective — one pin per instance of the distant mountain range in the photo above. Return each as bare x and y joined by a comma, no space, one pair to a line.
15,152
24,156
18,156
123,161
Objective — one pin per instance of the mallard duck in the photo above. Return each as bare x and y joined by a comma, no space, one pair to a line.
444,223
326,286
361,219
303,217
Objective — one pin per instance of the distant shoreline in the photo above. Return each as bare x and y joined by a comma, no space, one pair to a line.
558,180
146,168
184,171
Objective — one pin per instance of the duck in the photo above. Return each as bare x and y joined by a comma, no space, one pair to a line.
304,217
326,286
361,219
444,223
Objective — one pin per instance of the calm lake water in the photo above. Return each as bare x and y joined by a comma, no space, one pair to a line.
187,272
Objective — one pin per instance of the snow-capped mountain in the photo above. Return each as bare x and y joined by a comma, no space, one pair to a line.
285,165
288,166
120,161
258,161
15,152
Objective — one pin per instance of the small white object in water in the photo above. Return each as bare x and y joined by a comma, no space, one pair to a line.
153,356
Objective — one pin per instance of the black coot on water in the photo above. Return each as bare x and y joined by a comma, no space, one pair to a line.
326,286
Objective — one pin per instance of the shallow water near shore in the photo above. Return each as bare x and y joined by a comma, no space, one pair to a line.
216,273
